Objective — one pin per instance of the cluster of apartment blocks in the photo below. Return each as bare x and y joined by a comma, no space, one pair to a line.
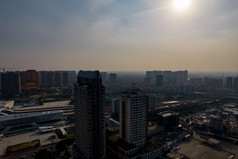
132,143
48,79
15,83
175,78
228,82
160,78
89,120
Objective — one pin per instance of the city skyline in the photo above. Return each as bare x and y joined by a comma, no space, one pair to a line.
119,36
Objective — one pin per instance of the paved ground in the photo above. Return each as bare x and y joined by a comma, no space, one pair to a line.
225,145
21,138
58,103
197,150
230,147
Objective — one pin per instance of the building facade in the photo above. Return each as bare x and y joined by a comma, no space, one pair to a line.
31,81
133,117
229,82
89,114
11,84
151,101
159,78
115,107
236,82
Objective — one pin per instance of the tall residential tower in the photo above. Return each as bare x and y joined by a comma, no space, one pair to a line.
133,112
89,96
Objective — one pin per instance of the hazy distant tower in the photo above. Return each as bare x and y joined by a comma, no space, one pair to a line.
113,77
159,80
229,82
31,81
236,82
151,101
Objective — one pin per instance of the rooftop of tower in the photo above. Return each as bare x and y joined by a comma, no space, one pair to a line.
89,74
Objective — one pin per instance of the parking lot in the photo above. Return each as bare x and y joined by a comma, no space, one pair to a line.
197,150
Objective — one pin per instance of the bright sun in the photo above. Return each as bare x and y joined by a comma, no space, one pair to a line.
181,4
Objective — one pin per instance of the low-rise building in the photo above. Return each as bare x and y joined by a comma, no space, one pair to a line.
128,151
169,119
28,118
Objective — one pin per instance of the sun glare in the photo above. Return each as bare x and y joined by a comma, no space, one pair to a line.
181,4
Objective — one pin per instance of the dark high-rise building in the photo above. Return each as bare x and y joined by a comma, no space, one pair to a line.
22,75
152,76
149,76
181,77
0,85
151,101
42,79
31,81
58,79
236,82
169,77
89,94
49,78
212,83
65,78
115,107
229,82
11,85
159,80
71,77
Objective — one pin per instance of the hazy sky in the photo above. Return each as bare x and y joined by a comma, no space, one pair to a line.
119,35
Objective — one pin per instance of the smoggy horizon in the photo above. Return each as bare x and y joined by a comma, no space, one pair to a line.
119,35
131,72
